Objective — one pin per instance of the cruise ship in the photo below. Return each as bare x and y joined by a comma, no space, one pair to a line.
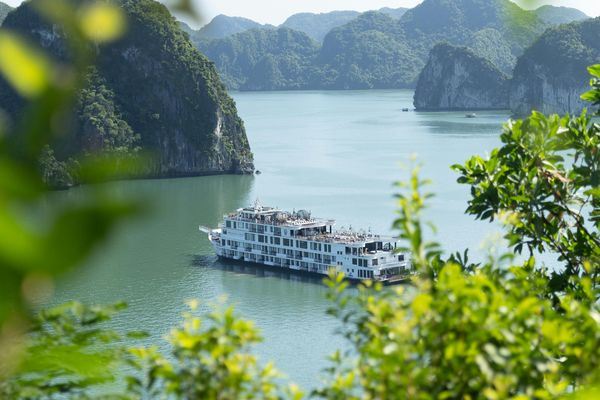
297,241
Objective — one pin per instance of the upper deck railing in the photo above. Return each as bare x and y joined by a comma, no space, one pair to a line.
290,222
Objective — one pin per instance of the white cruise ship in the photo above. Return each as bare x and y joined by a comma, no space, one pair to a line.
297,241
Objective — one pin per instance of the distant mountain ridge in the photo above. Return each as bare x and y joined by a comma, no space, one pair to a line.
374,49
318,25
264,59
560,15
222,26
315,25
395,13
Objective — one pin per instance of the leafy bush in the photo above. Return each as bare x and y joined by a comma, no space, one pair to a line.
209,360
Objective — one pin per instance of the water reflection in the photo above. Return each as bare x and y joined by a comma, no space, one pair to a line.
257,271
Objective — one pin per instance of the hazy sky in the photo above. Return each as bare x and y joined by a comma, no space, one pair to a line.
276,11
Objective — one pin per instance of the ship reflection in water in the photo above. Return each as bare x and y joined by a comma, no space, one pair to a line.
256,270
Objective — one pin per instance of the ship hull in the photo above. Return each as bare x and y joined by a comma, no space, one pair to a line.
318,276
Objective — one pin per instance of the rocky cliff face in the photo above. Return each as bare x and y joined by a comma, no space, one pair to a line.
158,86
551,75
4,10
457,79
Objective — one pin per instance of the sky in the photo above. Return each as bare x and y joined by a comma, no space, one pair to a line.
276,11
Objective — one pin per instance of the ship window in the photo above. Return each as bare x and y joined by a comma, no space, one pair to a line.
286,242
375,262
401,257
228,224
354,261
276,240
348,250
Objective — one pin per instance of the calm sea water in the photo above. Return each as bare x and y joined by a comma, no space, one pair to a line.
335,153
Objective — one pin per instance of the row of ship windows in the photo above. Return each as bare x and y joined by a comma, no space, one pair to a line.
301,244
273,250
255,227
295,253
313,246
278,261
365,274
301,264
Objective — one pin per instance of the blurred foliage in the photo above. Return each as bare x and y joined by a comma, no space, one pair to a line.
31,255
593,95
67,351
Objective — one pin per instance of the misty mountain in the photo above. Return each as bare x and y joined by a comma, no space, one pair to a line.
318,25
560,15
222,26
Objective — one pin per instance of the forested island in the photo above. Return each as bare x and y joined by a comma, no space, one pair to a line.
455,78
552,73
151,91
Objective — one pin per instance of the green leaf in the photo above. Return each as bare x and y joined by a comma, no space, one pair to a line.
594,70
25,68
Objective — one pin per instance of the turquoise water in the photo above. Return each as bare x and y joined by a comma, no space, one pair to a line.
335,153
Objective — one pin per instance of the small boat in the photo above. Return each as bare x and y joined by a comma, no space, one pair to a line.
471,115
258,172
405,109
